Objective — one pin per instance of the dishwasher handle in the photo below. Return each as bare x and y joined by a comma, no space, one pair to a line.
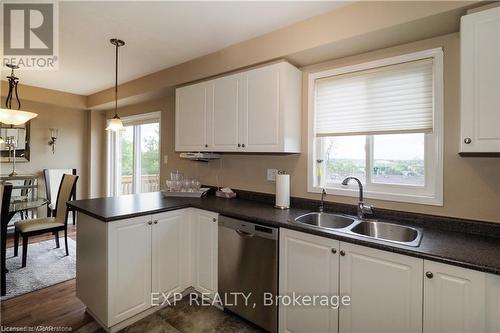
244,233
248,229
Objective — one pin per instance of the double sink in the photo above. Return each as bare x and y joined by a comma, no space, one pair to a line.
383,231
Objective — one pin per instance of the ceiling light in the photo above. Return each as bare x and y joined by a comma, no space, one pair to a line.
7,115
15,117
116,124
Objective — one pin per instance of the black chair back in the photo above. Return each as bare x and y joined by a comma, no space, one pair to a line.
6,193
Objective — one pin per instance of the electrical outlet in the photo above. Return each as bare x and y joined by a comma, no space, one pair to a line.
271,174
165,159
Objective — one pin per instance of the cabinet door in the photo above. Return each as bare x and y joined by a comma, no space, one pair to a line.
385,290
261,123
129,268
224,123
191,111
454,299
308,266
480,81
168,237
205,251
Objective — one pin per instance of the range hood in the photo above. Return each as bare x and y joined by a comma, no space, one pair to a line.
205,157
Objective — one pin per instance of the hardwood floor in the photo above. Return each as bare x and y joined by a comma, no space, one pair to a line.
55,306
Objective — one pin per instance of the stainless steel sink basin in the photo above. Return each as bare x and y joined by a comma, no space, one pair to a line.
388,232
325,220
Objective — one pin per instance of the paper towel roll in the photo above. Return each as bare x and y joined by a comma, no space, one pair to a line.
282,191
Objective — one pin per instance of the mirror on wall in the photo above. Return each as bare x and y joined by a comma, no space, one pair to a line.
18,137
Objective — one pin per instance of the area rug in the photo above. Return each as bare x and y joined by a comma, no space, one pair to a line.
46,265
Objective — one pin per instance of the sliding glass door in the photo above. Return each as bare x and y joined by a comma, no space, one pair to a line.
134,156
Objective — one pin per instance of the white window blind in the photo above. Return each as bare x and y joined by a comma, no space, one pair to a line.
390,99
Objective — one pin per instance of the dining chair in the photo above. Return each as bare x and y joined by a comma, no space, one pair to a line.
25,192
52,179
5,194
53,224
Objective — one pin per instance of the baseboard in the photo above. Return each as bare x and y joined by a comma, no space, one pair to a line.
129,321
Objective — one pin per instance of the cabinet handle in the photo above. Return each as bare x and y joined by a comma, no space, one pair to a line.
155,221
214,220
429,275
206,146
150,222
243,145
342,253
467,141
239,145
334,251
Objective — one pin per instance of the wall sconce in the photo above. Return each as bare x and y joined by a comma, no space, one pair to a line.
53,138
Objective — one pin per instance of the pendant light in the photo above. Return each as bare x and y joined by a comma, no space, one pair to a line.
7,115
115,124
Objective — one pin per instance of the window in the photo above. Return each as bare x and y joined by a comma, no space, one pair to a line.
382,123
134,156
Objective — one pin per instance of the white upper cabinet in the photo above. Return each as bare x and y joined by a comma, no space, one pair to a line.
258,110
385,290
261,128
224,120
480,82
191,106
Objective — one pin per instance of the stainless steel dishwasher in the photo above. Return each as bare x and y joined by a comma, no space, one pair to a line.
248,263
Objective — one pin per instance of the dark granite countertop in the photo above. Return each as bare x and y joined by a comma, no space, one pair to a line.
463,249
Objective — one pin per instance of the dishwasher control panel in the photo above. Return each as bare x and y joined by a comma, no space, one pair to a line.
248,228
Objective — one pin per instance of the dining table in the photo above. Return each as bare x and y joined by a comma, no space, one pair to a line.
14,207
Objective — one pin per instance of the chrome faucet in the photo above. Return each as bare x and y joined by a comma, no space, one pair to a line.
363,209
322,204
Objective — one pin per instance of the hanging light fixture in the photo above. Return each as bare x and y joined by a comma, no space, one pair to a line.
115,124
7,115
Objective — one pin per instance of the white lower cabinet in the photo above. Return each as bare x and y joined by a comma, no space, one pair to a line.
307,266
459,300
161,253
388,292
168,237
385,290
129,268
204,245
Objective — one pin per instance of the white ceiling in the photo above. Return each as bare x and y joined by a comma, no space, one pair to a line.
158,35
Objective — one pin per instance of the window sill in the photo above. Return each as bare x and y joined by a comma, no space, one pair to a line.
436,200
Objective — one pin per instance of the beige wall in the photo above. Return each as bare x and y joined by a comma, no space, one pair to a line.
71,146
96,150
471,185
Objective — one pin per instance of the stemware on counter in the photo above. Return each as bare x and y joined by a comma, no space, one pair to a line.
177,183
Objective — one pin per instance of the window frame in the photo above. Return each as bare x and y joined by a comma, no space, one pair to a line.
113,151
432,192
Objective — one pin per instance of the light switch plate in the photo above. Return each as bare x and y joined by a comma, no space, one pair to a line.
271,174
165,159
